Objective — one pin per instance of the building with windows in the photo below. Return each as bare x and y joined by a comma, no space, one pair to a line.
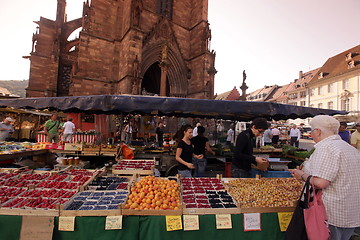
298,92
262,94
149,47
337,84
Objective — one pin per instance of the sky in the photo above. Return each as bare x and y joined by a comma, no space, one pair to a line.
272,40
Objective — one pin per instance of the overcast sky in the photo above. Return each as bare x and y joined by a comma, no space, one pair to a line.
271,39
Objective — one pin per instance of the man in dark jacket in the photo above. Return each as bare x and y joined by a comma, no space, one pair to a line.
243,152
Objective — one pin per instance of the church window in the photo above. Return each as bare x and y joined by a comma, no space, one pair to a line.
164,7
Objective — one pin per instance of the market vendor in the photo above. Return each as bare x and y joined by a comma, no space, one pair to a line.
334,167
185,152
243,152
6,129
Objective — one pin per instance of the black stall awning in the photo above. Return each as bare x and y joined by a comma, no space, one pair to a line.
168,106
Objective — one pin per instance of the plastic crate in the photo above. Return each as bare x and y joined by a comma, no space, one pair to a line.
271,174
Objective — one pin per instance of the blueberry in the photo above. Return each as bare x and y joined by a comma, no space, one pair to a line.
86,208
111,207
100,207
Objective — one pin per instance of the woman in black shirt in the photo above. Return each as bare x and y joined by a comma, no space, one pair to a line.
185,152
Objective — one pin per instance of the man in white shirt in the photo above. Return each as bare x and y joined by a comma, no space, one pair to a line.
230,136
294,136
68,130
276,135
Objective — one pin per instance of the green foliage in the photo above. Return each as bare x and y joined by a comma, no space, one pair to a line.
16,87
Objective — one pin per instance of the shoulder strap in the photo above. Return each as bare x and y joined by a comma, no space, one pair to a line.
56,122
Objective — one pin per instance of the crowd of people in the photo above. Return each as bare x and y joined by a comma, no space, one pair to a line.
53,128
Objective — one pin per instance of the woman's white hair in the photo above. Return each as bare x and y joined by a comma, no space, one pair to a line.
326,124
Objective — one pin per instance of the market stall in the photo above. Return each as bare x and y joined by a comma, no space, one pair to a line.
30,198
89,138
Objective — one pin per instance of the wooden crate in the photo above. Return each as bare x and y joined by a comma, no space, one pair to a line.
267,209
130,181
71,213
207,211
29,212
152,212
135,171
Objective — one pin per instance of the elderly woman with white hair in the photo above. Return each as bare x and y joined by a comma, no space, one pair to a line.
335,168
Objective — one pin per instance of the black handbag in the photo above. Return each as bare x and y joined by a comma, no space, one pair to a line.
296,229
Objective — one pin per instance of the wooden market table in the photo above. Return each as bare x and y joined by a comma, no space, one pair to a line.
30,153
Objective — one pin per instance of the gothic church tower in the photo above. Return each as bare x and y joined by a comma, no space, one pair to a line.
141,47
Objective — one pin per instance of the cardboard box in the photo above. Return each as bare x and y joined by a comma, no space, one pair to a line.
55,146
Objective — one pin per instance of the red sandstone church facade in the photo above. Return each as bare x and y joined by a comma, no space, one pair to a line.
136,47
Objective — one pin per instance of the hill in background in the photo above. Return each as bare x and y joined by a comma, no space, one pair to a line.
16,87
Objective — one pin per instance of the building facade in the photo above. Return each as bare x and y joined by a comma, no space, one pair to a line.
337,84
150,47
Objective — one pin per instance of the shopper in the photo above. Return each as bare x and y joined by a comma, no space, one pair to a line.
344,134
51,129
276,135
267,137
68,130
128,133
230,136
243,152
295,135
6,129
195,131
201,145
160,134
334,167
185,152
355,137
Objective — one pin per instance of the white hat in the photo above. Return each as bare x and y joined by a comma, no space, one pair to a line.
9,119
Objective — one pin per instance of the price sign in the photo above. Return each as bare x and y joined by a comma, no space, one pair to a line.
284,220
173,223
191,222
252,222
223,221
113,222
67,224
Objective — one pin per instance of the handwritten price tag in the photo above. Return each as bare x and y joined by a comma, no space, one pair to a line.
113,222
252,222
191,222
284,220
223,221
67,224
173,223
